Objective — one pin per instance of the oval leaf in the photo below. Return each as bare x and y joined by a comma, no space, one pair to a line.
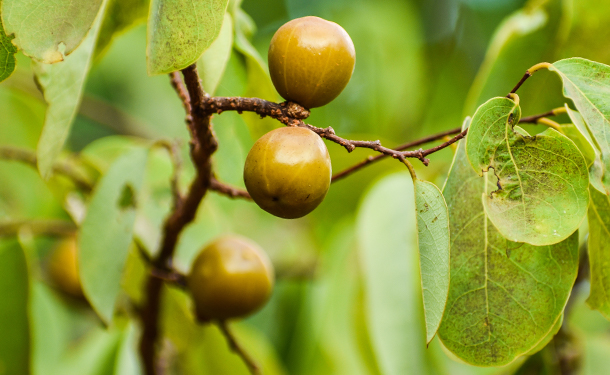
387,241
106,231
48,30
504,297
7,54
433,238
179,31
587,83
14,286
62,85
599,252
542,194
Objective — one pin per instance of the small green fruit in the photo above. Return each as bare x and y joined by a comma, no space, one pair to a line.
311,60
231,278
288,172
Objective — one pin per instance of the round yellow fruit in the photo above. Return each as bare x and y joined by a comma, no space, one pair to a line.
288,172
230,278
63,268
311,60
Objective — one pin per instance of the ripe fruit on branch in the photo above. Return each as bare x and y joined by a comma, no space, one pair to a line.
63,268
311,60
231,277
288,172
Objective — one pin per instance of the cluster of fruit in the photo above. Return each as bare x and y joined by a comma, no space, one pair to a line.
287,173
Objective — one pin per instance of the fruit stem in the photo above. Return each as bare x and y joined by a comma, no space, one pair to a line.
237,348
529,73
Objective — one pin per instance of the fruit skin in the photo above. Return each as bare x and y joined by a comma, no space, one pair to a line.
311,60
288,172
63,268
230,278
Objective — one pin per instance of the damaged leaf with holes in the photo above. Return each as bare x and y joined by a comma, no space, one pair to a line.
504,297
107,230
541,194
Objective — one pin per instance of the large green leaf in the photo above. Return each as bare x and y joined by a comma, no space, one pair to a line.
504,297
63,85
542,194
48,30
179,32
7,54
14,285
212,63
433,238
587,83
387,236
106,231
599,252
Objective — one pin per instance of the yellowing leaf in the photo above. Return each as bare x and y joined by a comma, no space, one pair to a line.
541,196
48,30
180,31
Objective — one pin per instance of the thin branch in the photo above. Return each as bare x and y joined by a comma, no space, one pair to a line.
203,145
534,119
172,277
29,157
230,191
372,159
529,73
183,94
238,349
58,228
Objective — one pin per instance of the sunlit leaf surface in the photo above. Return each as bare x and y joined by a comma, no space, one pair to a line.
48,30
599,252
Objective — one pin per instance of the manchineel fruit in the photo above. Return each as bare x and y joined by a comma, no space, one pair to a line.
288,172
311,60
230,278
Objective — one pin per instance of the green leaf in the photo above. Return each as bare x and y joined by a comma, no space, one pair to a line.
106,231
599,252
14,285
579,133
7,54
387,236
587,83
119,16
259,82
542,194
48,30
127,358
433,238
63,86
504,297
179,32
211,65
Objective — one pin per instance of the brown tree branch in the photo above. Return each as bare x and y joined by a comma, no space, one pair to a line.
174,153
230,191
38,227
372,159
65,169
203,145
238,349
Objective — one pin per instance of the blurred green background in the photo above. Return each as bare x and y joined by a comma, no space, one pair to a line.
421,67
